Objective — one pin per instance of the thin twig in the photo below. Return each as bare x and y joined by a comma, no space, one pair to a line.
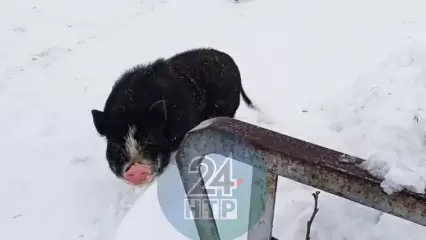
316,209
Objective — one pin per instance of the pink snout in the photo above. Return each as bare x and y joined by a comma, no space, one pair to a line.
137,174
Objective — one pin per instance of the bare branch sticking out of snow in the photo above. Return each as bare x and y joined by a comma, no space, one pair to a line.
316,209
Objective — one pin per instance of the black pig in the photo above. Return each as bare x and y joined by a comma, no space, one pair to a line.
151,107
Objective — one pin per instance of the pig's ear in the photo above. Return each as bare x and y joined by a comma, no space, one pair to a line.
159,109
99,121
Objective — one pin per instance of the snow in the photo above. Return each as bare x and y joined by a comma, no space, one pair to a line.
348,75
387,118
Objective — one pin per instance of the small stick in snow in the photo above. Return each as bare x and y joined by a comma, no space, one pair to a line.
308,232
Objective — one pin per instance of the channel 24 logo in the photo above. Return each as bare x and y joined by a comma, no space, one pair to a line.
220,186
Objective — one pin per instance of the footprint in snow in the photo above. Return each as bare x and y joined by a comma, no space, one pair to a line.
80,160
49,56
19,30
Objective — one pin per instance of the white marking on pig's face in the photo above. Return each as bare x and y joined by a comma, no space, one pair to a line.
134,149
135,152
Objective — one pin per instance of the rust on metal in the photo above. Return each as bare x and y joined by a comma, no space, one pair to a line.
263,229
303,162
195,191
197,145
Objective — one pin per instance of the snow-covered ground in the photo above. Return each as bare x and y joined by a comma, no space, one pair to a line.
357,68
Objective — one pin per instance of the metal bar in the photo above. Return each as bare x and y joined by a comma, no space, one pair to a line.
196,145
303,162
263,229
197,195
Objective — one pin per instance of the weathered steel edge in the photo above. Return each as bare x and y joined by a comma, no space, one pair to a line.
197,145
206,226
263,229
318,167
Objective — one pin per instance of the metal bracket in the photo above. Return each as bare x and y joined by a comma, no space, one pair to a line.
301,161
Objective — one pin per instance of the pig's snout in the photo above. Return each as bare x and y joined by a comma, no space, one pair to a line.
137,174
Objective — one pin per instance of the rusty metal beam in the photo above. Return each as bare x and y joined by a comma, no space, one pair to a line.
303,162
263,229
198,144
194,188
